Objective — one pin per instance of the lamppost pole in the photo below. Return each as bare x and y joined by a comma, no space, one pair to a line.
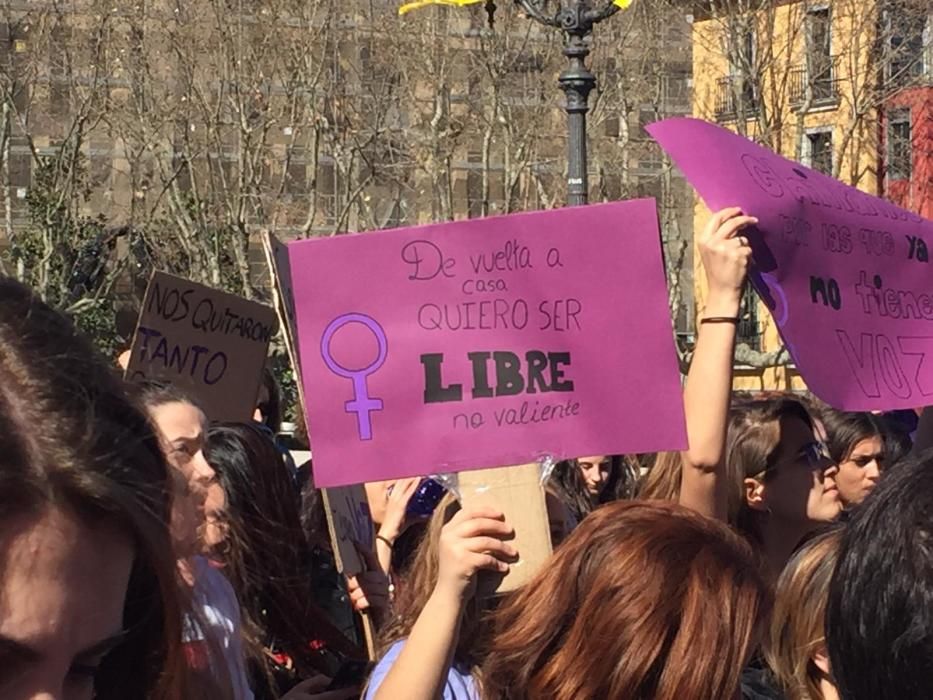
576,18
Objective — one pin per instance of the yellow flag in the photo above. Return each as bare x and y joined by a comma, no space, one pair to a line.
417,4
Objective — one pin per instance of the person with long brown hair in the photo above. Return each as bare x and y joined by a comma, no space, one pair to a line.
89,603
635,604
212,635
759,466
795,646
783,478
433,645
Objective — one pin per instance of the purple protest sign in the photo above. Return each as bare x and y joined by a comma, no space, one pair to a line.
846,275
485,343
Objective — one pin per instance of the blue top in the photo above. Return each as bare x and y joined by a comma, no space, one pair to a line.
459,686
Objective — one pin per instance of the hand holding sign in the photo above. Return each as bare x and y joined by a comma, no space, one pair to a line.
846,275
473,541
725,253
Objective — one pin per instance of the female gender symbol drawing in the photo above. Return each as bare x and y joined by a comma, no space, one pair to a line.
361,404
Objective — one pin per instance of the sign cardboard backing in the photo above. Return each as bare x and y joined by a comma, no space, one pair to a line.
207,342
518,494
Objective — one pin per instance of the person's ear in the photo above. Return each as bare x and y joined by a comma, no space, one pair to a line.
821,659
755,494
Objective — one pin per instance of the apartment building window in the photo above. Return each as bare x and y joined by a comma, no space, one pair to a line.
819,52
612,126
100,157
610,187
296,172
818,150
899,145
908,44
326,192
736,95
474,183
749,329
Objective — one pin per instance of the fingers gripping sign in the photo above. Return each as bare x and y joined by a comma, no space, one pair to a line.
725,251
474,540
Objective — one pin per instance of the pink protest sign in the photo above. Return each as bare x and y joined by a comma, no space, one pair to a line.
485,343
847,276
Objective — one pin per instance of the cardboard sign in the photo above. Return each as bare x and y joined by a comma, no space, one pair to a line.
350,525
488,342
277,261
847,276
209,343
518,494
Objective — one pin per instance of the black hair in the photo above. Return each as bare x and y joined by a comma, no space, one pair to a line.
152,393
271,408
845,430
268,558
879,620
571,488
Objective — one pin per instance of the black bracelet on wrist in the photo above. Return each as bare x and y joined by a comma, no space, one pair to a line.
720,319
386,540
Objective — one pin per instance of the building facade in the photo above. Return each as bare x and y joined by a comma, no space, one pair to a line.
195,125
843,87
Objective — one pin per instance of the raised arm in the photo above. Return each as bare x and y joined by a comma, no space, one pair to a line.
725,254
471,541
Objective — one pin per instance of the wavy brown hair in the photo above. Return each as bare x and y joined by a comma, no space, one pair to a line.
414,591
663,478
71,439
753,446
798,620
633,606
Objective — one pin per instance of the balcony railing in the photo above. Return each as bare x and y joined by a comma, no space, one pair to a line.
735,94
815,85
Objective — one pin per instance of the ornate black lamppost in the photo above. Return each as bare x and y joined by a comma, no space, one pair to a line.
576,18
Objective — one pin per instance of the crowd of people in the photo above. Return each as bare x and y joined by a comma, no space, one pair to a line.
147,551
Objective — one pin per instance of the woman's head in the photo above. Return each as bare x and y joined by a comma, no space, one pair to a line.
796,643
587,482
269,402
857,446
181,426
634,604
780,466
86,565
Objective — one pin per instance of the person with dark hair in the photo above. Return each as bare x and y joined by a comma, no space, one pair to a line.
783,481
268,560
587,482
856,443
879,621
632,605
89,604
